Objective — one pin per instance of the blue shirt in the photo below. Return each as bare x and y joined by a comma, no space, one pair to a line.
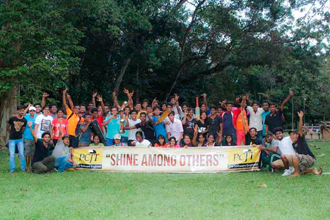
27,132
228,127
113,126
264,115
85,136
159,129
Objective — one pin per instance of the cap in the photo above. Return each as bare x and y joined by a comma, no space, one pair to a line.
65,136
32,108
117,137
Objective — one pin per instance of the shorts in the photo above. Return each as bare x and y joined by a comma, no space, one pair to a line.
305,161
83,144
73,141
29,147
279,163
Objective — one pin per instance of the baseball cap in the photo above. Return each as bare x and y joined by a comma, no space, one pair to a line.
65,136
32,108
117,137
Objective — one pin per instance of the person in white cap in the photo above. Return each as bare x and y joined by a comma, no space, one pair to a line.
117,141
29,137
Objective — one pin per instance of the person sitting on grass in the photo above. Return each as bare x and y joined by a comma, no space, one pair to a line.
229,140
117,141
161,142
172,143
96,142
187,142
63,154
252,137
269,151
43,161
304,157
140,141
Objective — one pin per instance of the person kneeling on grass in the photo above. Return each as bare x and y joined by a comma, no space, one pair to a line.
63,154
42,161
304,158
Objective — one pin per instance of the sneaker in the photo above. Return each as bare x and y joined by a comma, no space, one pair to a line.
291,169
287,172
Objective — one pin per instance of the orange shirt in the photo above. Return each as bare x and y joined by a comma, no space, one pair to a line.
239,122
72,122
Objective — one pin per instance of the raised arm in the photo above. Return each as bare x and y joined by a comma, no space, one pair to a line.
115,99
195,135
64,99
27,109
205,100
176,97
129,96
43,101
70,102
287,99
301,123
100,99
93,98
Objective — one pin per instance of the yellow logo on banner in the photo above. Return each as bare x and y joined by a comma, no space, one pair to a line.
243,155
88,156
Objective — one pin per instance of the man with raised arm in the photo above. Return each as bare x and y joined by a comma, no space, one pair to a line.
304,157
73,118
274,119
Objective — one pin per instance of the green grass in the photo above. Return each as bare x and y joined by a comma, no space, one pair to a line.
104,195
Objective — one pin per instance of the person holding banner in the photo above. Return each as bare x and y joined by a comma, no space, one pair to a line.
173,143
161,142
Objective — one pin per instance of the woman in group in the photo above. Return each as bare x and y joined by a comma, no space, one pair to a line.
187,142
198,139
229,141
202,124
161,142
210,141
172,143
96,142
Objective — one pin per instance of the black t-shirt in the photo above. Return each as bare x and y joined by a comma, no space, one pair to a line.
17,127
274,121
41,151
148,130
250,141
214,124
301,147
202,126
188,128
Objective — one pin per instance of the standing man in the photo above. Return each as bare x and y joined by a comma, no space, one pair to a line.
29,137
73,118
174,128
265,107
176,106
274,119
132,122
15,127
43,123
113,123
256,118
229,122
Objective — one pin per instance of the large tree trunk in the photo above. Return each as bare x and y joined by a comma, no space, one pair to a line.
8,106
122,73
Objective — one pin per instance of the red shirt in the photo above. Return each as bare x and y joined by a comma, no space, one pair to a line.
99,120
59,124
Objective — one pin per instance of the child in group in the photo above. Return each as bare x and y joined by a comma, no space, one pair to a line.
96,142
161,142
172,143
229,141
117,141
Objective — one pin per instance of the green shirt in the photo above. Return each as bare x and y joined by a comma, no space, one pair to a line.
98,145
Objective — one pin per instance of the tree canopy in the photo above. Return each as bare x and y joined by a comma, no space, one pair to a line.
161,47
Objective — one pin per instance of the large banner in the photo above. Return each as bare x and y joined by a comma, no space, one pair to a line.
172,160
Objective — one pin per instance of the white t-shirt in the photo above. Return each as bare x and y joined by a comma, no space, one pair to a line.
144,143
131,134
256,118
286,147
45,124
175,128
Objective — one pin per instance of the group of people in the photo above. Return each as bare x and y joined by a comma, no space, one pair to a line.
45,135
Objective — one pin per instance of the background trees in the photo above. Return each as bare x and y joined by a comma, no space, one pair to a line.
161,47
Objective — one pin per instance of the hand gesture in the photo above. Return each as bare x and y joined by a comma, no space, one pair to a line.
30,123
29,105
186,113
204,95
45,95
291,92
126,91
301,114
131,94
68,96
94,94
65,91
99,98
196,129
114,94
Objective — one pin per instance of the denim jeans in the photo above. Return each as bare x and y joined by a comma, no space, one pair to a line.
109,142
62,163
20,146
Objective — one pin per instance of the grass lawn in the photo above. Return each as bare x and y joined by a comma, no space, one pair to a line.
101,195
